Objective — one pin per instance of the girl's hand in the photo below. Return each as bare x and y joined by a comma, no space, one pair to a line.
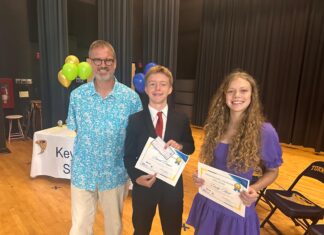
249,197
198,181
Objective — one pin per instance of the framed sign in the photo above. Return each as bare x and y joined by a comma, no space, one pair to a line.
7,94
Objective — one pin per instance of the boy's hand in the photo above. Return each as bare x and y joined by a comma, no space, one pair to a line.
173,144
146,180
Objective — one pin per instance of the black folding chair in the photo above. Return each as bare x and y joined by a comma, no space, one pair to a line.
293,204
316,229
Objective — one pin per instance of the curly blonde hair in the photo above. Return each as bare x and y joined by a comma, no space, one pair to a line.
244,148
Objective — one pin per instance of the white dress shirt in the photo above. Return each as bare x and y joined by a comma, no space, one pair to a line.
154,117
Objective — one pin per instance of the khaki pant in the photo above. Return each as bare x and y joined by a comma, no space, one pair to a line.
84,205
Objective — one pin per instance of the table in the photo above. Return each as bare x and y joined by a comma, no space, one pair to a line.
52,152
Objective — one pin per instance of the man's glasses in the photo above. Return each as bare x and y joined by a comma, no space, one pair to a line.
98,62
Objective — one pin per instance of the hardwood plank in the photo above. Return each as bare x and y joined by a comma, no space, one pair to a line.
41,205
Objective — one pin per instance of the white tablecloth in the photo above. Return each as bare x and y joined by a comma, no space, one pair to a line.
52,152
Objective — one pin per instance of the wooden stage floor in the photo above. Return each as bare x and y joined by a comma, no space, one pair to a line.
42,205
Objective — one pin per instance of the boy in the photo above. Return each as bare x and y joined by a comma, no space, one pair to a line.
157,119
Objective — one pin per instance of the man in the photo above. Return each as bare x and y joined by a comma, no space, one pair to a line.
98,112
148,191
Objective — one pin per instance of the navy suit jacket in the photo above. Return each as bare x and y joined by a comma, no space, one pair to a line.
140,128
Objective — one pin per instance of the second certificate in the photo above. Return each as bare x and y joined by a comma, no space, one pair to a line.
223,188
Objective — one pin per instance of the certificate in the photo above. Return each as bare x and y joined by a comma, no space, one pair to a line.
223,188
168,163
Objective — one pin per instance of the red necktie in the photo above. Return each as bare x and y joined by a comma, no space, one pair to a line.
159,125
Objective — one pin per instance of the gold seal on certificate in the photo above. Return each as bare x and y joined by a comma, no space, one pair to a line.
167,163
223,188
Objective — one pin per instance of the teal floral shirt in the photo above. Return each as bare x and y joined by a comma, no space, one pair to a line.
97,161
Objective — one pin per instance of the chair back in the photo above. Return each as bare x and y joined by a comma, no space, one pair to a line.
315,170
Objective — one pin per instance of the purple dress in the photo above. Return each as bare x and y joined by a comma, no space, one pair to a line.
211,218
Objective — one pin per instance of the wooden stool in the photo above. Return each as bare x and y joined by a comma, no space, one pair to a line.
36,113
15,135
34,119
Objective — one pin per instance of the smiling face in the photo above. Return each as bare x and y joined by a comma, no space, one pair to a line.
103,63
158,86
238,95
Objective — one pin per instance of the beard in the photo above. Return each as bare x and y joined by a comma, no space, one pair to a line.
106,77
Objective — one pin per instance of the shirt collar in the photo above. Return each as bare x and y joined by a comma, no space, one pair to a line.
154,112
113,91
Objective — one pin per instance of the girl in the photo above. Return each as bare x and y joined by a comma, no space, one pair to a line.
237,140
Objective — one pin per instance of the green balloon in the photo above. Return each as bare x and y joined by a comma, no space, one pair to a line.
70,71
84,70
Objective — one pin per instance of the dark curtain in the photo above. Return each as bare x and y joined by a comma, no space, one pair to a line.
267,39
115,26
160,32
309,122
160,36
53,43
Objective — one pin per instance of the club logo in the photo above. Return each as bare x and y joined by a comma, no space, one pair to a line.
42,144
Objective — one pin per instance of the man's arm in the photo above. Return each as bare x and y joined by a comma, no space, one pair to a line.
71,119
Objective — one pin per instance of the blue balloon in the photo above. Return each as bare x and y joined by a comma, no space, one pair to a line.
139,82
148,66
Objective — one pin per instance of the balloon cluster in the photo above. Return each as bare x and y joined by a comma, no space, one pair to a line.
73,68
139,78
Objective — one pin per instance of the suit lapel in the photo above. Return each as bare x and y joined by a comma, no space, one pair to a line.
148,121
169,126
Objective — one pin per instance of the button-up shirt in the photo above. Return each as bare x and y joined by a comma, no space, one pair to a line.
97,161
